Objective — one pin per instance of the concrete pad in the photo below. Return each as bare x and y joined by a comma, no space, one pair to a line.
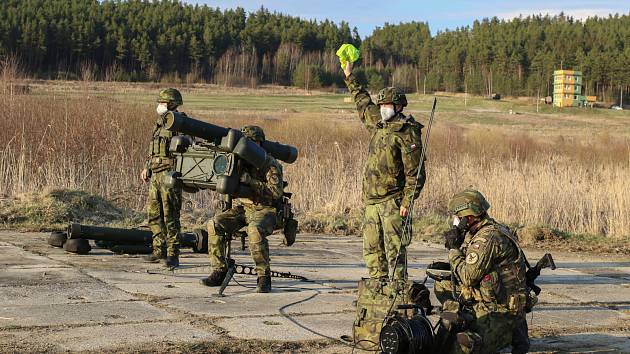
80,313
612,342
104,337
41,294
290,328
11,256
303,302
135,276
39,276
60,293
188,286
112,336
602,293
574,317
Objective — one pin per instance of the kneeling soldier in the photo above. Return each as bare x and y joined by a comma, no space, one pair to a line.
489,269
257,213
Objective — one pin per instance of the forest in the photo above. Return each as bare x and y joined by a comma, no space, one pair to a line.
171,41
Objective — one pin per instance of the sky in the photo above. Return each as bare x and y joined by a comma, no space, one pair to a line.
441,15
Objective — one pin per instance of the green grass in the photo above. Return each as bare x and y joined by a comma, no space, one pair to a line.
477,111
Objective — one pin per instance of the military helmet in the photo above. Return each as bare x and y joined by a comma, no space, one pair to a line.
170,96
391,95
468,202
253,132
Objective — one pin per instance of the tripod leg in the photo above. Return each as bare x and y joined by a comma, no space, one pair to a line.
231,268
226,280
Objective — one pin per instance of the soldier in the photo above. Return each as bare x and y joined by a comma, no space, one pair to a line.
390,183
489,268
164,203
257,213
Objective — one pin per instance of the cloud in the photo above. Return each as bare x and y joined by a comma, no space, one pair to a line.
578,14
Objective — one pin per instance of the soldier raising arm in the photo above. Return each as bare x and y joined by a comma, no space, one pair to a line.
390,178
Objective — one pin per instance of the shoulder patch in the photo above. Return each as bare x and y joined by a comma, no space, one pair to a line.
273,179
472,258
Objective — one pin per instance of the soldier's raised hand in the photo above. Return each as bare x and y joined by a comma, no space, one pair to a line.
144,175
348,69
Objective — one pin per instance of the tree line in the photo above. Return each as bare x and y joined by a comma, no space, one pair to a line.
173,41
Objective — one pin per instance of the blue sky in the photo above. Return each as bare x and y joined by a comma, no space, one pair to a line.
367,14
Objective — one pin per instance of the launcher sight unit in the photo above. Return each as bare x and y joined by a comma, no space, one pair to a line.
214,158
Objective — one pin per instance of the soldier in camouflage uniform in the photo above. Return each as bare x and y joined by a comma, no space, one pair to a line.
489,268
257,213
164,203
391,176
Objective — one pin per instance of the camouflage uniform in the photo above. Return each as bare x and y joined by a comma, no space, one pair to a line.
164,203
490,270
257,213
390,177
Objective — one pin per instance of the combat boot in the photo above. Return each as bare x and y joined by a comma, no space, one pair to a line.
171,262
264,284
215,278
152,258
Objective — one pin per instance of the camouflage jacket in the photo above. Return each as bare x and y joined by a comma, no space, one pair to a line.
159,157
490,266
267,183
394,152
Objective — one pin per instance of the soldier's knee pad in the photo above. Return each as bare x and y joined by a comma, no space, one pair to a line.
255,235
215,233
256,247
211,228
443,290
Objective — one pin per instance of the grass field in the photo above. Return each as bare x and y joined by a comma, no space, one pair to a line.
564,169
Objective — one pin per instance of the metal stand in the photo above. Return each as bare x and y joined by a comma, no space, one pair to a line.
231,269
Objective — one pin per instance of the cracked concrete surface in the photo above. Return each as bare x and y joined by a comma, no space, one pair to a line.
55,301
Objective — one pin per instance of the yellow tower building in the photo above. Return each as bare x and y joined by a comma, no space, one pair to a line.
567,88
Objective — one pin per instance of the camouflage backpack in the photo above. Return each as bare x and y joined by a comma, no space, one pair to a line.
378,299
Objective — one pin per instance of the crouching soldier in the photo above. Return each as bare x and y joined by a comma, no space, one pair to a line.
489,273
258,213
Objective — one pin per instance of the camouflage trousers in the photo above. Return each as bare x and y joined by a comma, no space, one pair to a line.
260,221
497,327
163,210
382,230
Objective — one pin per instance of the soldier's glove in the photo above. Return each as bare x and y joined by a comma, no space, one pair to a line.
453,239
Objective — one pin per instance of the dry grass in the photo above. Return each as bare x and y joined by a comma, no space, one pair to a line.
577,184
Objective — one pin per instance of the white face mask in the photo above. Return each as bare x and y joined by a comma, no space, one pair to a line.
455,221
387,113
161,108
